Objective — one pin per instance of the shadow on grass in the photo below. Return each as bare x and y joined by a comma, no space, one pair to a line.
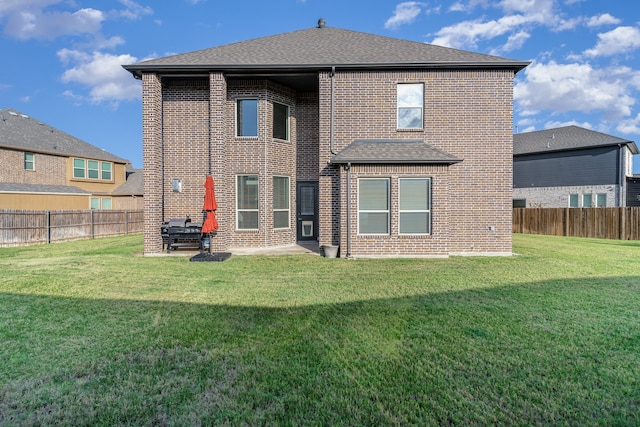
563,352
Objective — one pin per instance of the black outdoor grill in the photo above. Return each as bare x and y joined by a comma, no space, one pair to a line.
181,231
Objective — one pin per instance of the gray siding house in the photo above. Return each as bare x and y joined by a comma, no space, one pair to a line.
571,167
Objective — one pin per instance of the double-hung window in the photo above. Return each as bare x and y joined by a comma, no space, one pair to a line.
373,206
29,163
79,168
247,117
415,205
105,168
601,200
280,121
587,200
410,105
247,202
281,210
92,169
574,201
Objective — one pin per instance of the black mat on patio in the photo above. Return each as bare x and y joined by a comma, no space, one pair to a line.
216,256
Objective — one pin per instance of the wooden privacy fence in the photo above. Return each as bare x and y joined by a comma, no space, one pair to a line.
599,223
22,228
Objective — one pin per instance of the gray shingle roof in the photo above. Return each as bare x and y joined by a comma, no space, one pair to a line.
8,187
392,151
563,139
21,132
134,185
316,48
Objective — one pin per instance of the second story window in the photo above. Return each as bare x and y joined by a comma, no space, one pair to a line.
410,106
29,164
92,169
247,117
280,121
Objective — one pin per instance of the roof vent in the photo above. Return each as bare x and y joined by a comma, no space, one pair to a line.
321,23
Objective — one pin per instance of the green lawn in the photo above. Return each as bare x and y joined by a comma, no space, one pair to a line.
92,333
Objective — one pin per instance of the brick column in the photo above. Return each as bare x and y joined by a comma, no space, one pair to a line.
219,169
152,155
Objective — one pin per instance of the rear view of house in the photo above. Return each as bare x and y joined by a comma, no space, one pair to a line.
380,146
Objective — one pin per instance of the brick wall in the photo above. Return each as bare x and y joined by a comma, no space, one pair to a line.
49,170
468,114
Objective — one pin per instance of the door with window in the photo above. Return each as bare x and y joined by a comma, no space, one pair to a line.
307,209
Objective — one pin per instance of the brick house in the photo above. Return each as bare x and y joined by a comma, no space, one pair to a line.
43,168
571,167
380,146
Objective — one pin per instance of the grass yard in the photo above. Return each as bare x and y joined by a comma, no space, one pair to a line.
92,333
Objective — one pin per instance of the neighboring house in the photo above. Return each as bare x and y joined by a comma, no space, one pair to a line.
571,167
43,168
383,147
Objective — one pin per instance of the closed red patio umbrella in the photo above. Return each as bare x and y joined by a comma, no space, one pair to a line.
210,205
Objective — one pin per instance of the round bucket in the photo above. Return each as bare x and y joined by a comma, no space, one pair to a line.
330,251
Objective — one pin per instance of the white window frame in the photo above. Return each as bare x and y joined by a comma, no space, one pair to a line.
577,197
29,164
418,104
288,199
287,124
590,204
422,211
387,211
600,196
104,170
238,121
239,210
76,168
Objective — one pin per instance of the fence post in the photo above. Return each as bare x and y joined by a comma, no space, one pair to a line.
92,224
48,216
126,223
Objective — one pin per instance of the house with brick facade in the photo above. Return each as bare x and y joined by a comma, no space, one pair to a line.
378,146
44,168
572,167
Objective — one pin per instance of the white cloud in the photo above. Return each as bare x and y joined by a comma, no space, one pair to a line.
619,40
102,73
133,10
577,87
405,13
559,124
27,24
629,126
467,34
600,20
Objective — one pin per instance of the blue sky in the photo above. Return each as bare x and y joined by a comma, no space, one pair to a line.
62,58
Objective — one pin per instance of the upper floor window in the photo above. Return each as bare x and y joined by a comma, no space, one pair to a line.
29,164
410,105
280,121
92,169
247,117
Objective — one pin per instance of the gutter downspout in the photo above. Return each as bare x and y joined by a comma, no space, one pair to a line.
621,176
348,169
332,76
162,172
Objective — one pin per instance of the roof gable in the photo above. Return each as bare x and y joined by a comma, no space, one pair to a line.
563,139
21,132
323,47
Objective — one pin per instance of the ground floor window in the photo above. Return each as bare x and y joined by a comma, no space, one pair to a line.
601,200
373,205
574,201
414,212
281,202
101,203
247,202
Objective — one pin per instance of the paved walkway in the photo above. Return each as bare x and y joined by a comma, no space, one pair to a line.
305,248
